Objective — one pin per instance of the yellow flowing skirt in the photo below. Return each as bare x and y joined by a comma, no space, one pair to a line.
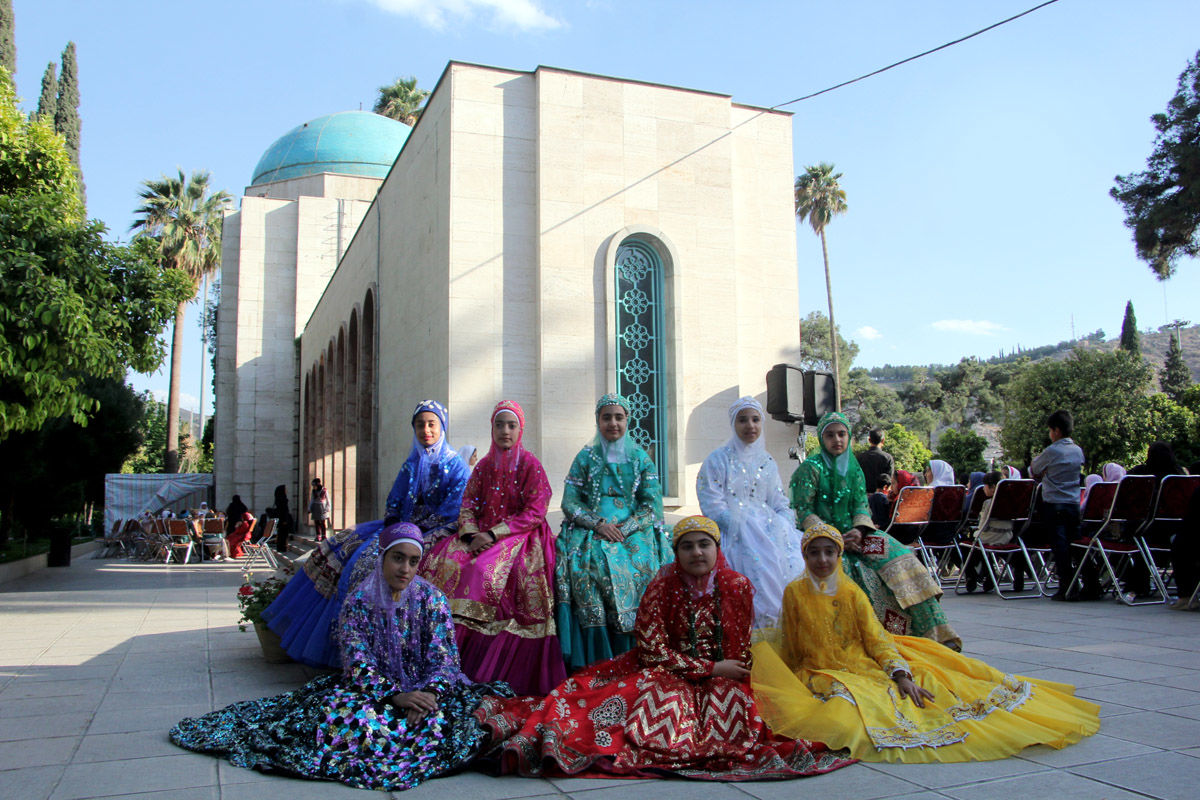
977,713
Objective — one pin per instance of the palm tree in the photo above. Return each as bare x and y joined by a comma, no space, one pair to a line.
401,100
818,198
185,220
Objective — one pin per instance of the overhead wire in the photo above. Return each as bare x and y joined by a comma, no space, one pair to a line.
918,55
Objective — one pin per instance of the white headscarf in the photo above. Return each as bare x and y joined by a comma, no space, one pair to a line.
743,452
943,475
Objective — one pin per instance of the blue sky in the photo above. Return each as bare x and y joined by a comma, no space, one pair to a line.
977,177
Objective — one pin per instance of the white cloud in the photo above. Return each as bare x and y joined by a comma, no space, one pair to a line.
868,333
526,15
973,327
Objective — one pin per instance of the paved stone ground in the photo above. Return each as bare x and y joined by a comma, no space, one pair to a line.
98,660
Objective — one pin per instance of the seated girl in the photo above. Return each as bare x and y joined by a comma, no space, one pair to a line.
841,676
739,488
400,712
427,492
829,487
498,572
612,540
237,538
679,703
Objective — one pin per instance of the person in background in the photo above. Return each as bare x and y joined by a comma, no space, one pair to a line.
990,531
318,509
233,513
939,473
1058,468
876,461
240,535
880,502
285,524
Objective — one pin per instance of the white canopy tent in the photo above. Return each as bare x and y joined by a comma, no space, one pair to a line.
127,496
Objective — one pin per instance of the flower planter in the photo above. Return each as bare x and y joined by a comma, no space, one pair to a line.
272,649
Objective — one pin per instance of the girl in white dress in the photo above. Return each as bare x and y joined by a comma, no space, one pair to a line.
739,487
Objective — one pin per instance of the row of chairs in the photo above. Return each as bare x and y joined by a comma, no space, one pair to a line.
1121,535
178,540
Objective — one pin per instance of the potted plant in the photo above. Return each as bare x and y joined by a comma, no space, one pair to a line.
253,599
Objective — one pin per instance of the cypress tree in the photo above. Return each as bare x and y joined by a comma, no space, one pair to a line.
1175,376
1131,341
48,100
66,112
8,39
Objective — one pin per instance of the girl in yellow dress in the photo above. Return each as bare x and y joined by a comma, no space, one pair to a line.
840,678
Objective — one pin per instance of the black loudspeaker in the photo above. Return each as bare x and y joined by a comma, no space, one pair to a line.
796,395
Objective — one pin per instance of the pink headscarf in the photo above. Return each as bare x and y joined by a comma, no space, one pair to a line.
1112,472
506,461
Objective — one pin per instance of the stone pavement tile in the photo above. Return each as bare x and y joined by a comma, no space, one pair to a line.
105,778
1116,709
1191,712
1178,641
32,728
283,788
40,706
1194,752
940,776
1059,785
196,793
177,694
1079,680
1106,665
477,786
570,785
1154,729
121,746
1169,776
155,718
858,781
31,783
1184,680
1096,747
21,690
692,790
37,752
1149,696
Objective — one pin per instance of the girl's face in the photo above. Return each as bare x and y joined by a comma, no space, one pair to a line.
748,425
836,438
696,553
612,421
427,428
821,557
400,565
505,430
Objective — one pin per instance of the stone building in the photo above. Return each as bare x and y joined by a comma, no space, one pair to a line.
541,236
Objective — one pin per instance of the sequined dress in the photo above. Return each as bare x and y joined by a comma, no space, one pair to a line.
657,710
599,583
342,727
832,676
307,609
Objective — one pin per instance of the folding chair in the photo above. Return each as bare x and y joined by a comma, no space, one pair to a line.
111,544
938,542
911,514
180,536
214,539
1174,495
1012,502
261,549
1113,545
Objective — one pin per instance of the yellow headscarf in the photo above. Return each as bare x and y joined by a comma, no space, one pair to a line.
822,530
693,524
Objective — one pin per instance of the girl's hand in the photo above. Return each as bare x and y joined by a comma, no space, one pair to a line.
918,694
480,542
852,540
610,532
731,668
417,703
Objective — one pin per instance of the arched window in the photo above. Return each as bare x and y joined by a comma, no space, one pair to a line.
640,348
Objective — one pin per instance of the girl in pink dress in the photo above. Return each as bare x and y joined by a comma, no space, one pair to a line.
498,572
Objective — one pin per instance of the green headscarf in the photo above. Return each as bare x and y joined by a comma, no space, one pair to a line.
831,487
840,463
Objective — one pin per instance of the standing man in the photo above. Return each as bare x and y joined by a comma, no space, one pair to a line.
875,461
1058,468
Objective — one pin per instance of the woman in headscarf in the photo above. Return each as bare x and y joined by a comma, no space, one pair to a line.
233,513
400,712
839,674
828,487
1112,472
740,489
973,482
612,541
679,703
235,540
427,492
498,572
939,473
285,524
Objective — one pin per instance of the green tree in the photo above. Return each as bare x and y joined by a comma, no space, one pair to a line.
8,39
870,404
907,450
48,99
962,450
66,111
1131,340
72,305
1175,376
1175,424
1162,203
1106,393
819,197
401,100
816,351
183,219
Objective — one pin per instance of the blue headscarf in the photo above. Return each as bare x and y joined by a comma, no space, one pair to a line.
429,487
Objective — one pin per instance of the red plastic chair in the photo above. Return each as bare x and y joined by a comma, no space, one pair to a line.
1114,545
1012,502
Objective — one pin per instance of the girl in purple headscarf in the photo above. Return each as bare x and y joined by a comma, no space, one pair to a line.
399,713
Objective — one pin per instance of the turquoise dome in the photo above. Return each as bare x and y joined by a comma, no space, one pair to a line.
349,142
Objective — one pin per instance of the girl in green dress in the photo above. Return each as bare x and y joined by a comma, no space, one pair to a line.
829,487
612,541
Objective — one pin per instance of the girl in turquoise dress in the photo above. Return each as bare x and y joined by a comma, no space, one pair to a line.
612,542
